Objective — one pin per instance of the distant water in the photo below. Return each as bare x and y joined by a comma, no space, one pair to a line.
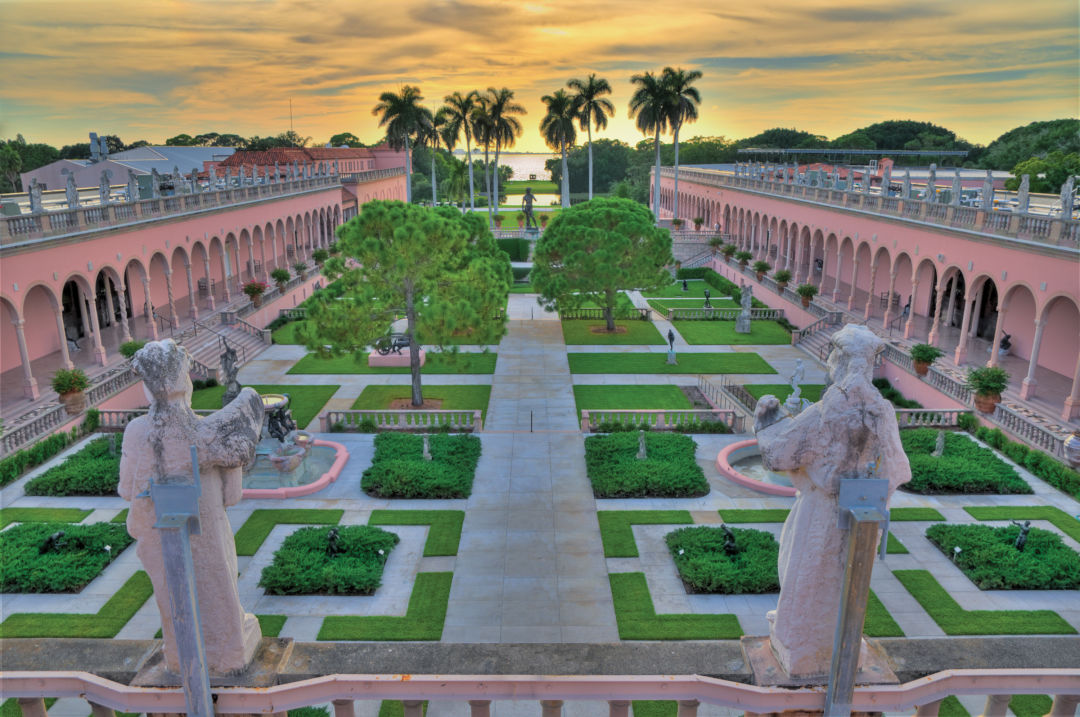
523,163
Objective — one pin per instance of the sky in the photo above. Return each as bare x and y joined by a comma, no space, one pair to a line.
153,69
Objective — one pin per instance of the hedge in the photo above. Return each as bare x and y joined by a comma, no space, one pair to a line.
518,249
965,467
399,469
21,461
95,470
308,563
1040,464
670,469
34,563
893,396
706,567
988,556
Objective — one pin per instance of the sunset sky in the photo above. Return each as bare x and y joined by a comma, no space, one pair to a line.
152,69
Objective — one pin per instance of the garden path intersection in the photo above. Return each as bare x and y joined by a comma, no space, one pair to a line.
531,566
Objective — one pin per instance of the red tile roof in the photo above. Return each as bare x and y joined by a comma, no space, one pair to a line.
286,155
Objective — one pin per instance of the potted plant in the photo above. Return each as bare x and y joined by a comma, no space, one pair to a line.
743,257
320,255
301,269
280,277
128,348
498,221
922,355
698,221
70,384
782,278
254,291
807,292
676,223
727,250
521,219
543,220
760,267
715,243
987,383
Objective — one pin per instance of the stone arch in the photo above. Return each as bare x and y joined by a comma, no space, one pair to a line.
1060,345
41,312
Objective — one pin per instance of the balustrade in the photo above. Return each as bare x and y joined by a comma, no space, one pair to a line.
1029,432
659,419
400,420
598,314
939,418
722,314
46,421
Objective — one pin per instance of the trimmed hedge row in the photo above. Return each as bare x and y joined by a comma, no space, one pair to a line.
1040,464
694,426
399,469
21,461
988,556
706,567
893,396
670,469
965,467
726,287
518,249
35,563
308,564
94,470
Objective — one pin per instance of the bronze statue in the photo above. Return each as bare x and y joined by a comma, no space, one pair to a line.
527,207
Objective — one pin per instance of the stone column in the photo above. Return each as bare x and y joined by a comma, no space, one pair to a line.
960,355
947,317
172,305
85,313
225,295
194,310
110,310
999,327
30,387
262,259
870,299
209,284
909,325
1072,403
837,269
854,278
99,348
934,332
65,357
797,278
1027,387
148,311
251,258
125,329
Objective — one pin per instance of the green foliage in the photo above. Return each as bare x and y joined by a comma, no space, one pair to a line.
699,332
697,363
1031,705
987,380
926,353
305,402
320,255
637,333
308,563
437,363
754,515
669,471
636,616
520,273
965,467
645,708
67,380
128,348
280,275
517,249
728,249
611,159
617,535
444,534
198,384
1040,464
399,469
893,396
423,619
806,291
108,621
705,566
762,266
988,557
743,256
592,251
95,470
35,564
1061,520
1036,139
41,515
21,461
454,398
1046,174
257,528
782,277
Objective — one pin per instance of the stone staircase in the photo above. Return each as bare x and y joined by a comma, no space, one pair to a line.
206,346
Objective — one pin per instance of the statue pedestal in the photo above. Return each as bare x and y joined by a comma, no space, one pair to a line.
671,358
271,657
873,666
377,360
742,324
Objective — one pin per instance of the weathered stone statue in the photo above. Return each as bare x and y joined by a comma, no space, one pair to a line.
1022,198
988,191
132,187
708,304
157,445
71,192
229,370
527,207
931,189
746,301
886,180
1067,198
103,187
850,427
905,193
35,197
957,190
155,184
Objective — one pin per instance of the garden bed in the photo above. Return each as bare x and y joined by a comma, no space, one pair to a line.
580,333
316,561
670,469
94,470
965,466
305,402
988,557
36,562
721,332
706,565
399,469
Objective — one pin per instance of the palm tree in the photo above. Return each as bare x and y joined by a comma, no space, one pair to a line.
458,110
649,105
593,108
558,130
684,101
455,184
482,130
505,128
431,132
402,115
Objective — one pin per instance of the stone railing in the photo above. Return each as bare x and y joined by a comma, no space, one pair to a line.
598,314
941,381
18,228
938,418
821,324
403,420
371,175
723,314
703,235
45,421
720,397
659,419
299,312
230,318
114,383
116,420
1027,431
1053,231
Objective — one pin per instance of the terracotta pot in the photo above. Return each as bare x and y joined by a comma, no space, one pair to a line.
781,284
805,301
281,287
256,300
760,274
986,404
74,402
922,368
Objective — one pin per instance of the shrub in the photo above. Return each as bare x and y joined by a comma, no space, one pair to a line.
782,277
21,461
399,469
69,380
520,272
703,426
676,223
965,467
299,267
255,288
987,380
806,291
320,255
199,384
716,242
305,564
669,471
893,396
706,567
698,221
95,470
762,266
1040,464
697,272
988,557
518,249
967,422
743,256
280,275
728,249
925,353
77,557
128,348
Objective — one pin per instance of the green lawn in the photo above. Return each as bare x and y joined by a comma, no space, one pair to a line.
539,186
304,401
810,391
638,333
526,288
636,616
617,535
723,332
694,288
257,527
662,305
108,621
287,334
423,620
622,303
878,621
590,398
754,515
444,534
437,362
955,620
1056,516
657,363
915,514
894,547
454,398
42,515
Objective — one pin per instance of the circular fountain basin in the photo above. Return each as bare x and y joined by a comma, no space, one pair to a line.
741,463
321,467
272,401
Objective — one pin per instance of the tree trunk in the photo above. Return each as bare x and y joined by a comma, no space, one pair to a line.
468,156
408,171
589,128
495,176
676,200
656,183
609,309
434,195
565,179
487,183
414,347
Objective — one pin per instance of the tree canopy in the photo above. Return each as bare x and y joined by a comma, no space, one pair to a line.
1047,174
1032,140
441,269
593,250
346,138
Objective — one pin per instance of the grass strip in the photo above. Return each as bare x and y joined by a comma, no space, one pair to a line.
108,621
304,401
754,515
396,708
1055,516
654,708
422,621
633,397
637,619
639,333
42,515
955,620
810,391
617,535
256,528
715,332
664,305
695,289
10,707
444,534
657,363
893,546
269,625
914,514
1031,705
120,517
435,363
878,622
454,398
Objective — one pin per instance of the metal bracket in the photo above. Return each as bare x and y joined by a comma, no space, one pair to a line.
861,500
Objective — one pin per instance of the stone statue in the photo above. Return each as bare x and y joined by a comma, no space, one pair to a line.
1022,199
132,187
795,403
71,192
957,190
850,427
427,448
708,305
157,445
685,286
103,187
35,197
527,207
213,178
931,189
280,423
1067,198
939,445
746,301
277,172
886,180
641,452
228,178
243,176
729,540
988,192
905,193
155,184
335,168
229,370
194,182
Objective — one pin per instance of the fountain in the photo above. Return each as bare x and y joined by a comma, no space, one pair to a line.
289,462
